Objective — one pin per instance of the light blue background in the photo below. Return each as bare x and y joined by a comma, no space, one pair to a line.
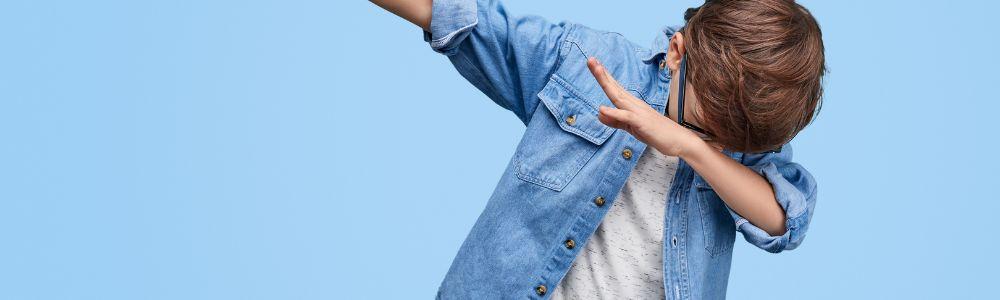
321,150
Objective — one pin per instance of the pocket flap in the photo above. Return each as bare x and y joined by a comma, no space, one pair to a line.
573,112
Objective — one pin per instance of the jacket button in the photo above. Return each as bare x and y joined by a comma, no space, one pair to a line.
599,201
540,289
571,120
570,244
627,153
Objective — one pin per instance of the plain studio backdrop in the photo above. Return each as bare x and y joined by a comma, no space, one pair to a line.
320,150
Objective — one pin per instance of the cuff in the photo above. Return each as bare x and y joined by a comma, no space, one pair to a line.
792,200
451,22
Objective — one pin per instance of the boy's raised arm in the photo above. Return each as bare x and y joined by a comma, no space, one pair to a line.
417,12
507,57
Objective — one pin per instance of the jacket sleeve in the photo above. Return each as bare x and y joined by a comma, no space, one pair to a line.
795,190
509,58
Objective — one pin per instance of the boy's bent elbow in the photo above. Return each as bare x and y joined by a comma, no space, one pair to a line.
786,237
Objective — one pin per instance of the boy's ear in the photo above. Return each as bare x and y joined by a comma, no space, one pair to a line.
675,51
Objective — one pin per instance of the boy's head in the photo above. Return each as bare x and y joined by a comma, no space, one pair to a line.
754,71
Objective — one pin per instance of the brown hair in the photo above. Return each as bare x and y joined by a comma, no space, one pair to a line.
757,67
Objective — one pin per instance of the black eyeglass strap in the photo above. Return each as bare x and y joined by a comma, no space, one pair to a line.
680,89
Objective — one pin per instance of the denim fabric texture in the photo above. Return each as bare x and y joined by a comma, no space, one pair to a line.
569,166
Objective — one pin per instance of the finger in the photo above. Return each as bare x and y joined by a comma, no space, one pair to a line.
614,117
619,97
610,122
604,118
624,97
611,87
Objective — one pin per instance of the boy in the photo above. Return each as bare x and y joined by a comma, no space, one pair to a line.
585,210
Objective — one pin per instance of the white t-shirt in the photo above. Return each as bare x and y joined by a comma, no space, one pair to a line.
623,259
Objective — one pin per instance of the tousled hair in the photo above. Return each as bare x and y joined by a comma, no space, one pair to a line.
757,67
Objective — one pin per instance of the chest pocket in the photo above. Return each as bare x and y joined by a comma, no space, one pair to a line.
562,137
565,134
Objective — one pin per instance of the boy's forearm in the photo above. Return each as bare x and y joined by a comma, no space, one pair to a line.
743,190
417,12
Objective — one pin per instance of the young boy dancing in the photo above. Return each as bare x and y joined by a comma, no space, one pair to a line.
585,209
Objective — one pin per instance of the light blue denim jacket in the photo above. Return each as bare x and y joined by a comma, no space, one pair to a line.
565,175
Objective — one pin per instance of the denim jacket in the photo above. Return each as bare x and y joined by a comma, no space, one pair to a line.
568,167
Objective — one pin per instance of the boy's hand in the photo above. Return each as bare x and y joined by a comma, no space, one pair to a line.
638,118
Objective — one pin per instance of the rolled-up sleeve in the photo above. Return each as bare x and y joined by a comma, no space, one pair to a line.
507,57
451,22
794,189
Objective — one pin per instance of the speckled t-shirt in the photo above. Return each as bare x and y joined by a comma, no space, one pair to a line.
623,259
